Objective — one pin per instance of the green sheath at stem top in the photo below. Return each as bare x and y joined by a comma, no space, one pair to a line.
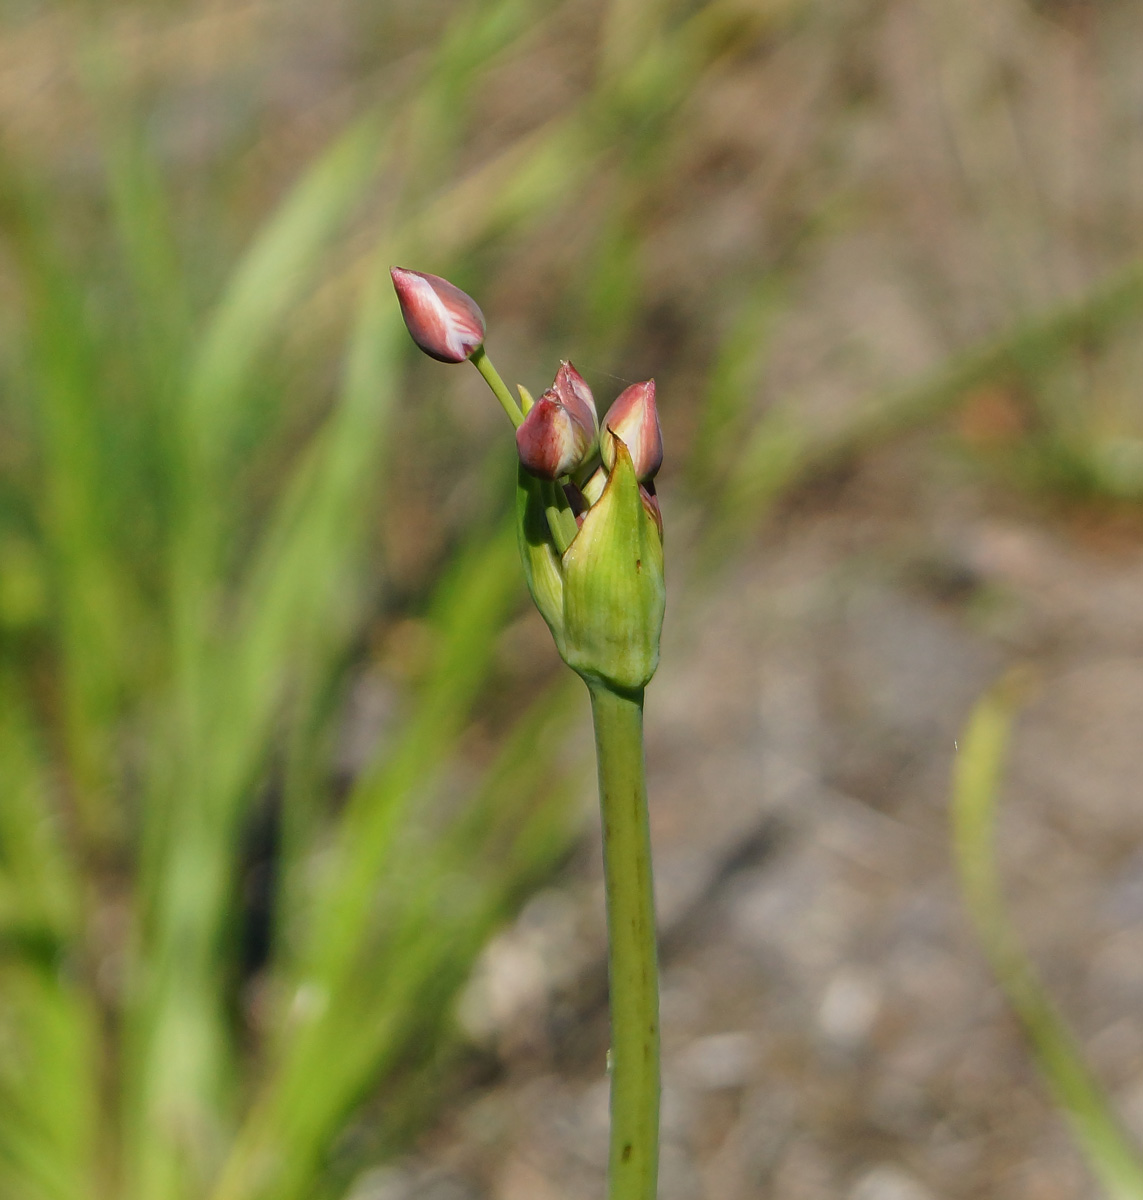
591,541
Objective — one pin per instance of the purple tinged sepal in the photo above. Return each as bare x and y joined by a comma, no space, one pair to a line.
445,322
634,420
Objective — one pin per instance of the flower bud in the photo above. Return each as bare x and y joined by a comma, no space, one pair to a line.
445,322
634,419
557,436
574,394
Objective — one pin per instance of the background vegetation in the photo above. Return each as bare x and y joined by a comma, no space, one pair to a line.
280,746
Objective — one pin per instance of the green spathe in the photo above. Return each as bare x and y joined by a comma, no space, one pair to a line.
614,594
542,568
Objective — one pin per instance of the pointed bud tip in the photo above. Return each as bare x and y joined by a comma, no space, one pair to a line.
634,420
445,322
575,395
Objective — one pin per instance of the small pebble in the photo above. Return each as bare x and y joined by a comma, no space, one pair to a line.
722,1060
887,1182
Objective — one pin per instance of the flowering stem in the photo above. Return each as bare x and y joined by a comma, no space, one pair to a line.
632,959
483,364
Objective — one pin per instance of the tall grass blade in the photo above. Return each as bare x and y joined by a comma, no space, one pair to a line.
223,701
1114,1159
429,912
275,272
75,504
49,1061
781,450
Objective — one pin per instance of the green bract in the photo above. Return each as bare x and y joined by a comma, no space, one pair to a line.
542,568
604,600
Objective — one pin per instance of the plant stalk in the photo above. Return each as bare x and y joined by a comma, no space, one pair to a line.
491,375
633,971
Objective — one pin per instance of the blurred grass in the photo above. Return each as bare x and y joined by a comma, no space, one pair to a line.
187,617
781,451
191,572
1112,1156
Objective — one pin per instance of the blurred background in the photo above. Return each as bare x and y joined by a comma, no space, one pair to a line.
299,868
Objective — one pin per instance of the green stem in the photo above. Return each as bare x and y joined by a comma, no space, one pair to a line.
561,520
632,959
483,364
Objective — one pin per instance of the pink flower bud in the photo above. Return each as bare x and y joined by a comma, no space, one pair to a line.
634,419
554,439
574,394
445,322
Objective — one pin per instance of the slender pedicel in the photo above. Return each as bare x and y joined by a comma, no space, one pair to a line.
491,376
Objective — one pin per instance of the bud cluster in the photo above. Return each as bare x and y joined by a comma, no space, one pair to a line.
589,524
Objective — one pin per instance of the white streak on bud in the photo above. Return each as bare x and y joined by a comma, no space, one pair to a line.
635,420
445,322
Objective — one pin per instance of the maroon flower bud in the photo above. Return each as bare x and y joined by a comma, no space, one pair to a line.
574,394
634,419
554,439
445,322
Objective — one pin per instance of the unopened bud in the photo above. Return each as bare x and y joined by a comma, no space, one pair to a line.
558,434
634,419
445,322
574,394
